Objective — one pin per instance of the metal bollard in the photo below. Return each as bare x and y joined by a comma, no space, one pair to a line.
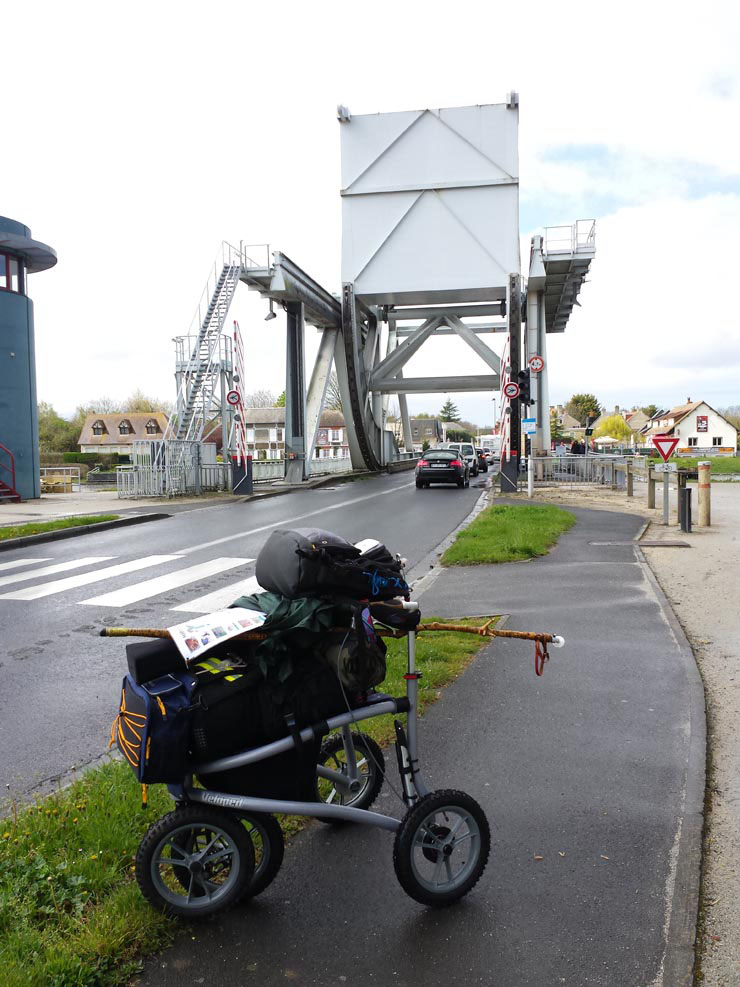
705,494
651,486
684,508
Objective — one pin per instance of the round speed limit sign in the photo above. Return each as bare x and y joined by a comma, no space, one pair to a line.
232,398
536,363
511,390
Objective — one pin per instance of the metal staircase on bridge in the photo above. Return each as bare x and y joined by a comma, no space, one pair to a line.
198,378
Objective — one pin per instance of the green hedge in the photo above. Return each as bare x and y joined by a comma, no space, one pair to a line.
96,458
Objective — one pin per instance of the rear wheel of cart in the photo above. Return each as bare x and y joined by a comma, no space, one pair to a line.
269,848
441,848
370,769
195,861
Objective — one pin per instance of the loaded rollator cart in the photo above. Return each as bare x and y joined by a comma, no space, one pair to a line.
222,842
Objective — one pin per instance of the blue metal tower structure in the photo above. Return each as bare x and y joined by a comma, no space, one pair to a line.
19,433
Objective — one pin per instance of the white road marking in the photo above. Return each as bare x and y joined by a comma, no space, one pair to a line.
14,565
72,582
222,598
49,570
160,584
288,522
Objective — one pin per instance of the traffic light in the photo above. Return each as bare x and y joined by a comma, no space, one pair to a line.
523,382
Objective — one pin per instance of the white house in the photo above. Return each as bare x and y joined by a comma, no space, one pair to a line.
701,431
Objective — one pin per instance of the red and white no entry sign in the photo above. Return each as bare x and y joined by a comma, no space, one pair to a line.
665,444
536,363
511,390
233,398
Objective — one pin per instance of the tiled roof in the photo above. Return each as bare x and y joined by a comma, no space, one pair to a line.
111,436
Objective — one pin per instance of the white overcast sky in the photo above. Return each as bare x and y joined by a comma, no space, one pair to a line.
136,137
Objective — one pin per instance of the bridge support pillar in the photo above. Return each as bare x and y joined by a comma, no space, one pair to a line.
509,475
295,397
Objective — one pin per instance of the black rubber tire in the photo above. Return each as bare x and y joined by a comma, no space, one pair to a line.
467,482
367,750
269,849
461,483
179,830
416,828
419,485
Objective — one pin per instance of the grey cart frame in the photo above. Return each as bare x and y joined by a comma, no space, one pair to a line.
413,784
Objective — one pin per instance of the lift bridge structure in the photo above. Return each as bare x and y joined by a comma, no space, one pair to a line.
430,247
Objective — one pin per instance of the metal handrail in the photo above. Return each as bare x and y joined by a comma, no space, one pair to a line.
10,469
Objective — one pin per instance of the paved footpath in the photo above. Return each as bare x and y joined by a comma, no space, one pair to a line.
597,768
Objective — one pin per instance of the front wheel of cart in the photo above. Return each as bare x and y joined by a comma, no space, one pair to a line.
370,769
441,848
195,861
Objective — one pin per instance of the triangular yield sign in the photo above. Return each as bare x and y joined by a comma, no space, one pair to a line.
665,444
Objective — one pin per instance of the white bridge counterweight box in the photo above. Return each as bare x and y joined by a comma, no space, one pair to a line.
430,204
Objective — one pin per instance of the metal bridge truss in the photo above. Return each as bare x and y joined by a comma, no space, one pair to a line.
368,346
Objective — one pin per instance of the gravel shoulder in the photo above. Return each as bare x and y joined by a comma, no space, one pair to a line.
701,584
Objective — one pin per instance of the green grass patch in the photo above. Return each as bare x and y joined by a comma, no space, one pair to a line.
71,914
503,533
38,527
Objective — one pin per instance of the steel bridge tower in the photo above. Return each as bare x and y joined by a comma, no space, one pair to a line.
430,248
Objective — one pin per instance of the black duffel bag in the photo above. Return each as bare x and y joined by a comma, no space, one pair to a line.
297,562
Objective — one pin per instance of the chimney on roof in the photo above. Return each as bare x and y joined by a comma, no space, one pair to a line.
688,400
616,409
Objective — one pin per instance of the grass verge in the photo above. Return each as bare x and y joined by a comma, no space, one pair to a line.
38,527
504,533
71,914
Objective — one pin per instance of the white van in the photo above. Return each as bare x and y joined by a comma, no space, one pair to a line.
467,452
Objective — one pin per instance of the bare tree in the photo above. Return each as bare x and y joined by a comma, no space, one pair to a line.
333,400
259,399
138,401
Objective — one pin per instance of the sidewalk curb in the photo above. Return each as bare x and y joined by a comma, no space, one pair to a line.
427,571
680,950
83,529
321,481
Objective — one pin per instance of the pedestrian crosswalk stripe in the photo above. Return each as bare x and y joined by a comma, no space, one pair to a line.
18,562
49,570
160,584
72,582
221,598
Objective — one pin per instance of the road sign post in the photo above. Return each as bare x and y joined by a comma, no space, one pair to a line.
665,444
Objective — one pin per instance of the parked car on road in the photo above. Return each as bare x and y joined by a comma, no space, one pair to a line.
442,466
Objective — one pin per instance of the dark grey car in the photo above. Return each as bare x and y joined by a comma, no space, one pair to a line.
442,466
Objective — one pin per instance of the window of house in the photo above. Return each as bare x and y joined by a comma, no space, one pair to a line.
151,427
98,428
716,440
124,428
279,434
693,440
336,435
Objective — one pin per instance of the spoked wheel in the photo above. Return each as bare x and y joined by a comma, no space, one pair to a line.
441,848
370,770
195,861
269,847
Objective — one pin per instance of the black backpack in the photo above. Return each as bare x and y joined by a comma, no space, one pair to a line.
297,562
